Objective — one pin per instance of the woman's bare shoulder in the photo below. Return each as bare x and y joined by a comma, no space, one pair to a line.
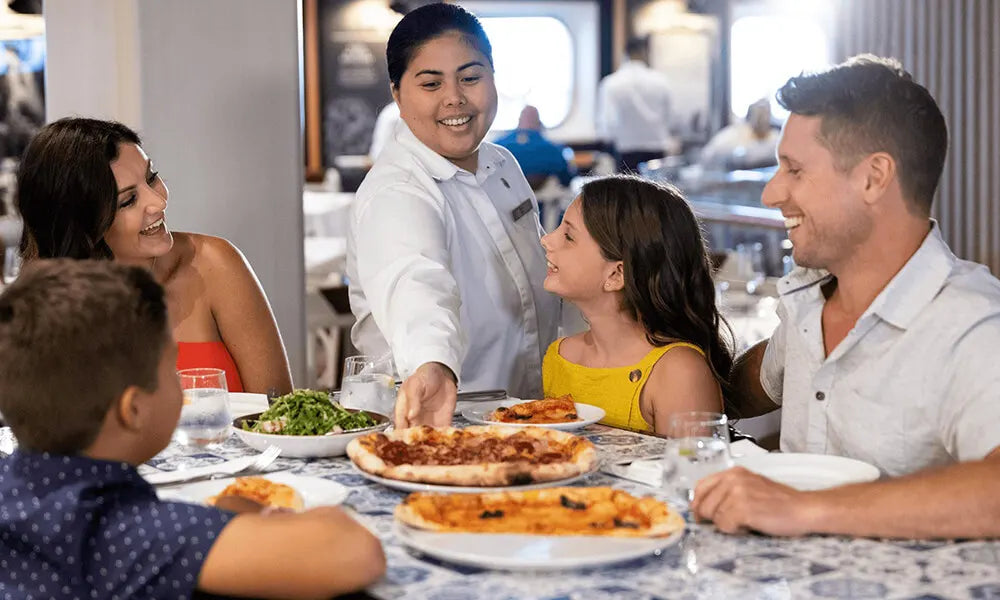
682,361
683,370
681,380
209,252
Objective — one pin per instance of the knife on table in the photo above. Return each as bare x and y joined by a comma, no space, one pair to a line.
482,396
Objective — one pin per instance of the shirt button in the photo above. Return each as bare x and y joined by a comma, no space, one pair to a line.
820,396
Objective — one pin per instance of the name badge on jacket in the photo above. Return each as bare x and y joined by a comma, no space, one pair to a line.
521,210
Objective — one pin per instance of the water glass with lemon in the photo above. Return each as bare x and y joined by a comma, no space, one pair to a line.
205,417
697,446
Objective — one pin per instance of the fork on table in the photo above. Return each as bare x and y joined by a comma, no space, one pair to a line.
261,462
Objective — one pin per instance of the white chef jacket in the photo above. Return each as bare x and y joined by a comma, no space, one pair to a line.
634,109
446,266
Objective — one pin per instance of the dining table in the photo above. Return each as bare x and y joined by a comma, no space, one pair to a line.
704,563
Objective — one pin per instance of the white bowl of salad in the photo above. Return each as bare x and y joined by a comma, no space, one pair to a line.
307,424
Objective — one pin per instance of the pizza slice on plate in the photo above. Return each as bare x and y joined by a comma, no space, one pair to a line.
263,491
549,410
600,511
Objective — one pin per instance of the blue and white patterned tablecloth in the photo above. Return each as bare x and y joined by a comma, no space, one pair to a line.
706,564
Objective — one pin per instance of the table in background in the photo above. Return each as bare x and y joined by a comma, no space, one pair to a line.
706,564
325,213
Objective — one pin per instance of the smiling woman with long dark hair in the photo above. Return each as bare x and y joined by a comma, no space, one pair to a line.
87,190
443,251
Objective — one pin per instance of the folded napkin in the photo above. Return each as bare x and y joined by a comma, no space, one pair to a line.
242,403
649,471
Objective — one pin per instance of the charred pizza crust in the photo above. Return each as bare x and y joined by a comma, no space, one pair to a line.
549,410
600,511
474,456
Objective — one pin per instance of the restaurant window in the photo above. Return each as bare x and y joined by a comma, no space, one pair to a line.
534,64
767,50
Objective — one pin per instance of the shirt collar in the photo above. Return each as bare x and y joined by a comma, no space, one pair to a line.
72,469
439,167
917,283
801,278
907,293
490,162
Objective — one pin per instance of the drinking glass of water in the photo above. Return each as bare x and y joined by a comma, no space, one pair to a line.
368,385
697,446
11,264
205,417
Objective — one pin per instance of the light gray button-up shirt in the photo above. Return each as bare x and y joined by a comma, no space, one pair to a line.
916,383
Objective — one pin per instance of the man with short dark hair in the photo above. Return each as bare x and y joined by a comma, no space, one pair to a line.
885,348
633,109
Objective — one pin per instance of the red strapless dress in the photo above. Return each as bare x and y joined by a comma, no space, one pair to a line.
209,355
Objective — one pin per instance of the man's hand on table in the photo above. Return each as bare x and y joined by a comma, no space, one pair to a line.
737,500
427,397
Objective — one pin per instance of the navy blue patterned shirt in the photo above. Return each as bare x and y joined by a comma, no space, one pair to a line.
75,527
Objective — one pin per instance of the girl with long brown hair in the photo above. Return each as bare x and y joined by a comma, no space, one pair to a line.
630,255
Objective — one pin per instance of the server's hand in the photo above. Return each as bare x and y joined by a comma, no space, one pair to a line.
427,397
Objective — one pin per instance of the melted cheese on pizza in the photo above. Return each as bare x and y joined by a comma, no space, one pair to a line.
553,511
460,447
549,410
263,491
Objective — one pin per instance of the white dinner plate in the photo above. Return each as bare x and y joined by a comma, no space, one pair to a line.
515,552
478,413
315,491
245,403
809,471
410,486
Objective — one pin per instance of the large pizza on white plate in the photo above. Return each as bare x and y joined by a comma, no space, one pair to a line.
600,511
474,456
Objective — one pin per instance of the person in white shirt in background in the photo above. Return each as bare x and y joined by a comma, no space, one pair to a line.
885,351
444,256
748,144
633,109
385,125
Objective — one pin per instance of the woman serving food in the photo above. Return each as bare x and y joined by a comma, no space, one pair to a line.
443,248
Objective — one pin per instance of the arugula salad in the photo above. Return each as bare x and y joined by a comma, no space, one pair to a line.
308,412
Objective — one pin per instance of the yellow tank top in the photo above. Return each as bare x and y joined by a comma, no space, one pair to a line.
616,389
